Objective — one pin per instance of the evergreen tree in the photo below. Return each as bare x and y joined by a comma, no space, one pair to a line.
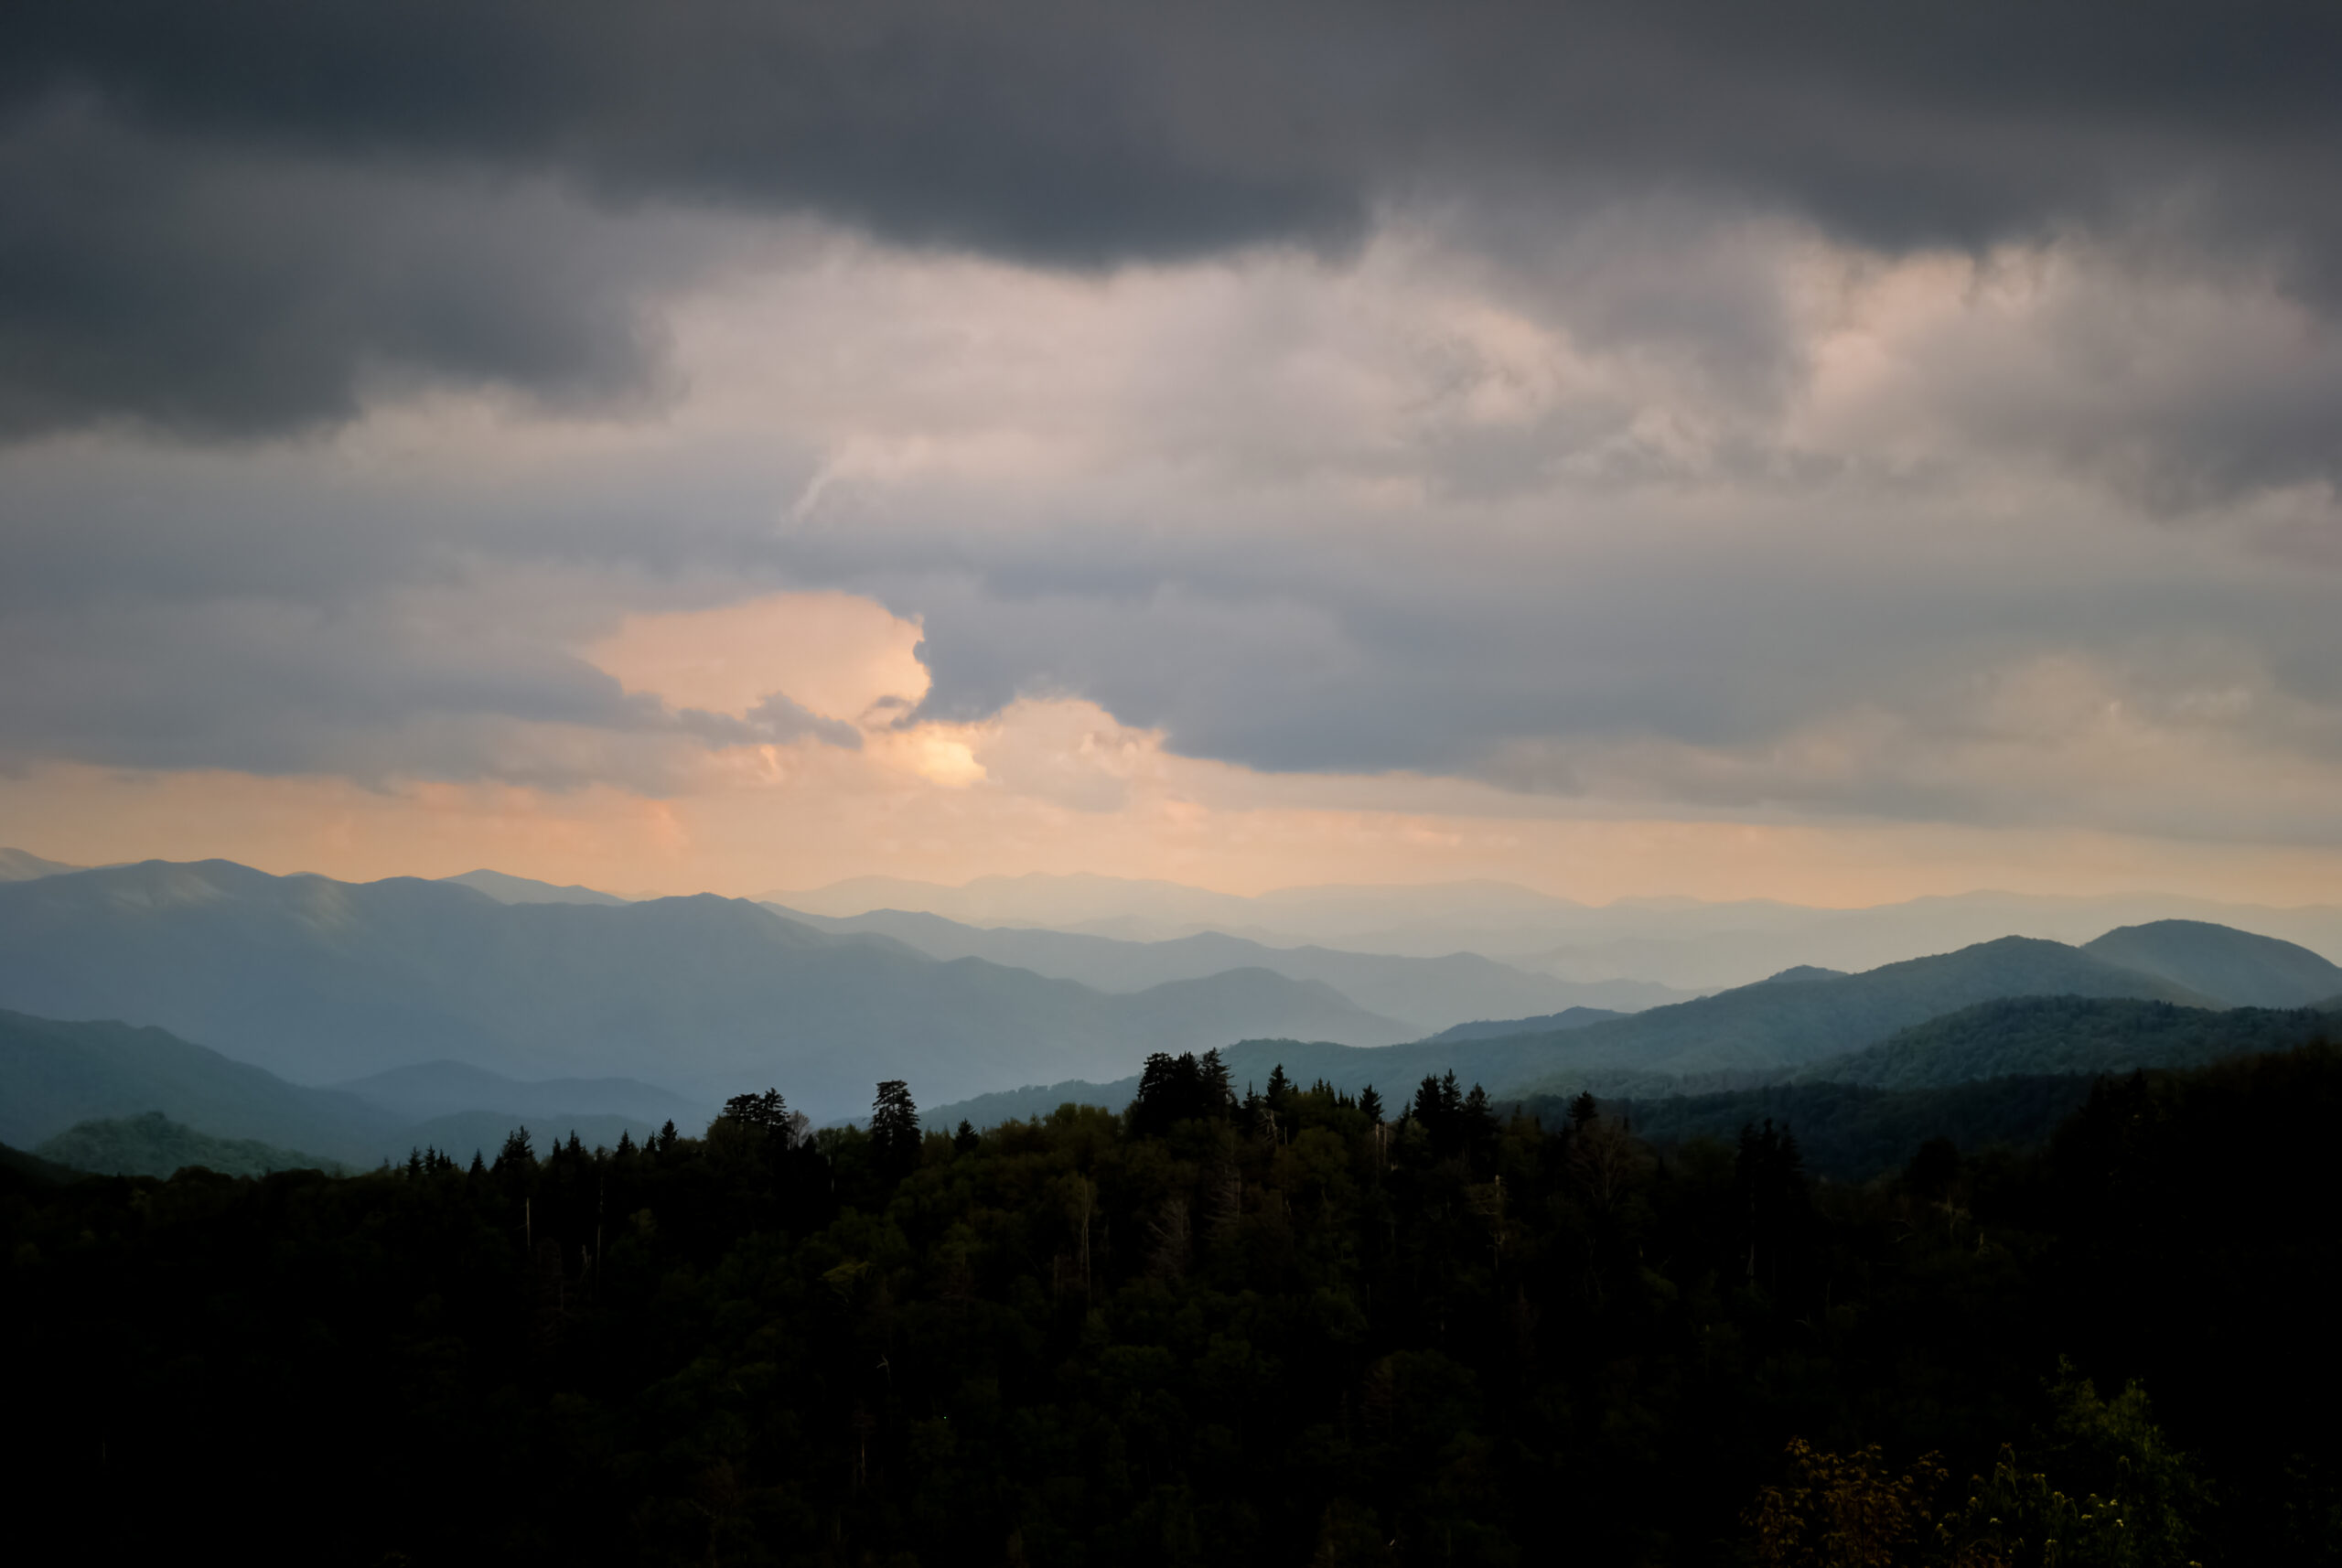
1371,1103
894,1128
967,1140
1217,1091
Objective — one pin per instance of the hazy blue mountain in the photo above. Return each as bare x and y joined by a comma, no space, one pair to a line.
1684,943
2236,967
152,1145
2067,1035
1799,974
442,1088
15,865
1768,1026
1393,1071
1551,1023
1738,1038
55,1075
507,889
322,981
1423,994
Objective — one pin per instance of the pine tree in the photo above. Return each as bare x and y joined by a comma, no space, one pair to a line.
1371,1103
894,1128
1216,1089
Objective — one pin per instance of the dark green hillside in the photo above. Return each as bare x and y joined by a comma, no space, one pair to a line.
2067,1035
1850,1133
1266,1332
1768,1026
322,981
20,1171
155,1145
2234,967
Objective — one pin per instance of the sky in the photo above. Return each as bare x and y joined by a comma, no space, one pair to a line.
1821,451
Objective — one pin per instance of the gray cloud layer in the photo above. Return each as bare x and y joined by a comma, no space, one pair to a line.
1554,507
326,177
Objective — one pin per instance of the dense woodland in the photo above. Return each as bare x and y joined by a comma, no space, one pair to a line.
1291,1327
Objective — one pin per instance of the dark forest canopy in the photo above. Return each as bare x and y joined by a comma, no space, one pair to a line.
1285,1328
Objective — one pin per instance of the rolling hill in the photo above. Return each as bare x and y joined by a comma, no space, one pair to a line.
1761,1033
1773,1026
2067,1035
2236,967
322,981
54,1075
152,1145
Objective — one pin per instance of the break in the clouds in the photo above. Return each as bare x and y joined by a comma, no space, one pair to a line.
1812,412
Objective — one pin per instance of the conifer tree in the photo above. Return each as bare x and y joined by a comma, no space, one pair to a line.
894,1127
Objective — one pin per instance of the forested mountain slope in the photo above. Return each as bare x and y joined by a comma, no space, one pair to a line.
54,1075
1269,1334
2068,1035
323,981
152,1145
1768,1026
2239,968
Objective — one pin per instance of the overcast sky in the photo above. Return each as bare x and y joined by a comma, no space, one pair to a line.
1820,450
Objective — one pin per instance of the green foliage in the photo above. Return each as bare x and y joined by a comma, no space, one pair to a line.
2052,1035
155,1145
1265,1336
1850,1133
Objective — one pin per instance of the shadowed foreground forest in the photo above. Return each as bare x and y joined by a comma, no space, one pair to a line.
1284,1328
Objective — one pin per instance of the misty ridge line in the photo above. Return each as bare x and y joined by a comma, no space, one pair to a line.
406,1002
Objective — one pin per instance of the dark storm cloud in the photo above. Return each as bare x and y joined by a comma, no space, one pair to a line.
144,272
210,294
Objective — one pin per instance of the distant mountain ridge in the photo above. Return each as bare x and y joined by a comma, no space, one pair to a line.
1767,1026
1679,942
322,981
506,889
1425,993
1505,1029
16,865
2240,968
56,1075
